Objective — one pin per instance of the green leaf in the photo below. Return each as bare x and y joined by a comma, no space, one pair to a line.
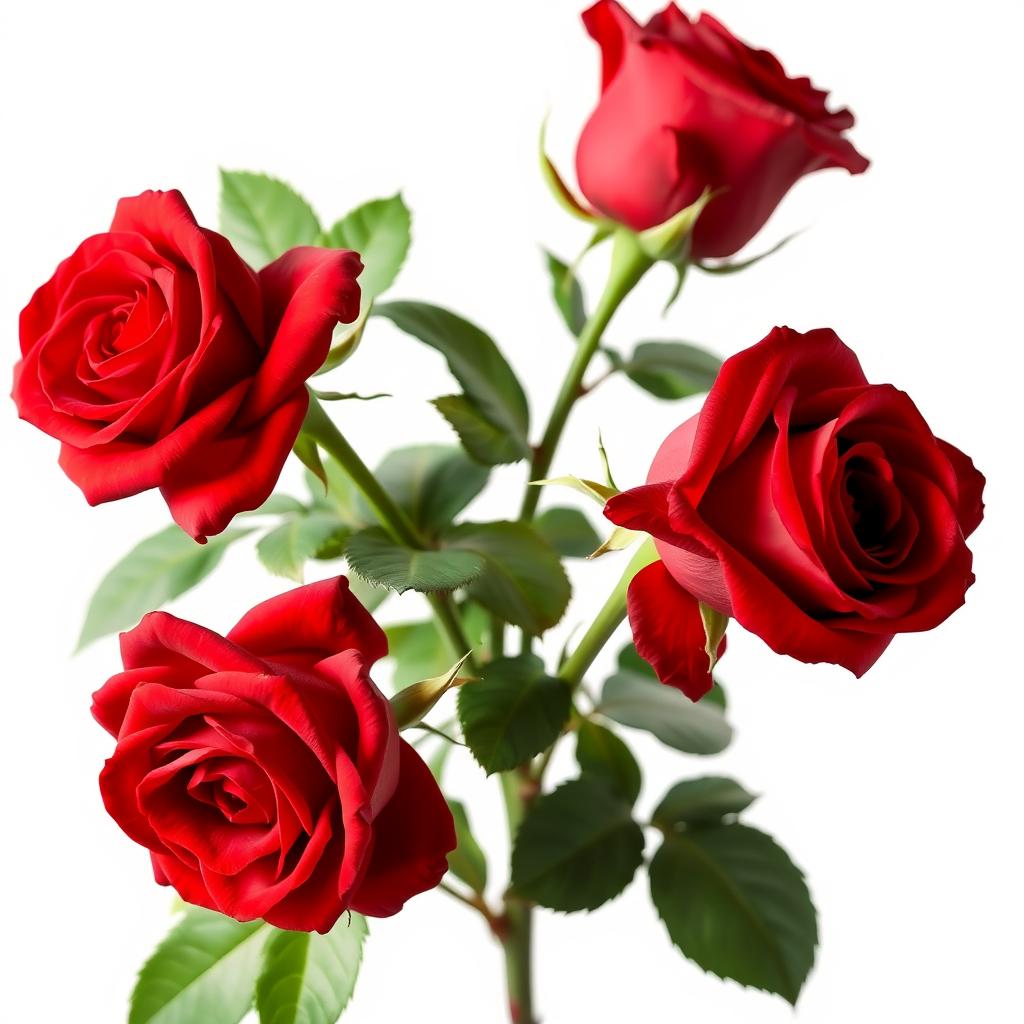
277,505
523,581
285,549
599,752
630,661
433,483
672,369
701,801
467,860
513,713
380,232
373,555
567,293
577,848
485,441
475,362
263,217
205,970
636,700
735,904
158,569
568,531
309,978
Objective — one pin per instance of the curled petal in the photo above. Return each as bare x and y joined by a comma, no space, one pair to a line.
668,631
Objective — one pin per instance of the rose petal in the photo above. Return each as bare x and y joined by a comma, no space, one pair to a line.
668,631
413,836
305,625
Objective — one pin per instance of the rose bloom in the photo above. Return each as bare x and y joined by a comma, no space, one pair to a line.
160,359
264,771
686,106
816,509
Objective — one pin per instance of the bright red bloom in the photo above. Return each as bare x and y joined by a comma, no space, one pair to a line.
816,509
160,359
264,772
686,106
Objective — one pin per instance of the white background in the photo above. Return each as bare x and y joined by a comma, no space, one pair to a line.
899,794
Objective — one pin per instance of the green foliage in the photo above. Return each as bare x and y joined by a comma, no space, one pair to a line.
421,650
339,494
380,232
567,293
277,505
672,369
491,389
599,752
513,713
523,581
376,557
735,904
369,595
209,968
309,978
666,713
634,697
487,442
577,847
630,661
432,483
156,570
701,801
285,549
467,860
568,531
263,217
205,970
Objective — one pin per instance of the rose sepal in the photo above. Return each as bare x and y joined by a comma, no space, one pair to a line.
412,704
715,624
564,195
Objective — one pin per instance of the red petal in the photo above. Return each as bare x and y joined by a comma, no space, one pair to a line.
970,484
305,293
164,639
668,631
609,25
233,474
413,836
310,623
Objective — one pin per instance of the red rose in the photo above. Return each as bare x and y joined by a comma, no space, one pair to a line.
159,359
685,106
816,509
264,772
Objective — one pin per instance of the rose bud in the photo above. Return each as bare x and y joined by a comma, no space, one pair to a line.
160,359
687,107
816,509
264,771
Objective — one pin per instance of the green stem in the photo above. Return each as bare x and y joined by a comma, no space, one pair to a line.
517,938
321,428
607,620
629,264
